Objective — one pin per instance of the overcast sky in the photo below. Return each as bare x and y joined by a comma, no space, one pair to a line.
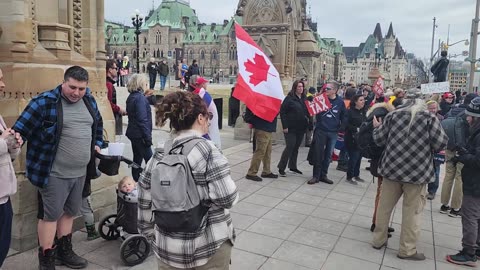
350,21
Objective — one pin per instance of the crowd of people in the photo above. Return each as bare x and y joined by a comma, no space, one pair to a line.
405,135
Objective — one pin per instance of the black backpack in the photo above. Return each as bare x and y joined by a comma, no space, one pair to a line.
366,145
456,128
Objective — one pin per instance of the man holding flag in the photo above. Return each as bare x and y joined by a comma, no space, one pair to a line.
260,88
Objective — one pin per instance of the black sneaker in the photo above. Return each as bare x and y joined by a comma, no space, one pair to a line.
282,173
66,256
342,168
454,213
444,209
296,171
270,175
462,258
358,179
254,178
352,181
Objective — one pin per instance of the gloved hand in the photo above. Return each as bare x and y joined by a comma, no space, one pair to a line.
454,159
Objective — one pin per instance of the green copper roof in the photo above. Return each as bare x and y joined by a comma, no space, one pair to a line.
369,47
117,34
171,13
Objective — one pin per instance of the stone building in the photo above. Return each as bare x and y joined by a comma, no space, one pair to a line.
378,51
281,28
39,40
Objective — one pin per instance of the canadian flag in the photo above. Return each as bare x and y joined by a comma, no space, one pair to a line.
258,82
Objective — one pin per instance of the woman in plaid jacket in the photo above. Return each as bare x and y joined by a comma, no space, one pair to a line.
209,247
410,135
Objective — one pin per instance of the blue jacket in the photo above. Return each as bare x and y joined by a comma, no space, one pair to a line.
139,117
335,119
40,125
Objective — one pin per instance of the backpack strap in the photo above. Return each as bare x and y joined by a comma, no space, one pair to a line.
186,146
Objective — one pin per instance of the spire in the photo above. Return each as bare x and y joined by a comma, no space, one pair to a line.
390,32
378,32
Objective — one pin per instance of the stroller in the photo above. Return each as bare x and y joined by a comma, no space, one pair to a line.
135,247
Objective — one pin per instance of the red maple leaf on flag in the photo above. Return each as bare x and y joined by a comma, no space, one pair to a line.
259,69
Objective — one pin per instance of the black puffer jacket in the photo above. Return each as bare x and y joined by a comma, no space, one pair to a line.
355,119
445,107
294,114
471,168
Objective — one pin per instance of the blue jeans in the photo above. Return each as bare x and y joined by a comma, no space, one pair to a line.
153,78
432,187
141,152
354,163
163,81
324,143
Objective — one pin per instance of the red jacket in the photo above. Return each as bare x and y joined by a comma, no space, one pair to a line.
112,95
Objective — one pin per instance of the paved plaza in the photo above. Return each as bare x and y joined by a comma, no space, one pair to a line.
287,224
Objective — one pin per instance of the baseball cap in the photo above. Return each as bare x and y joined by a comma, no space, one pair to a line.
201,80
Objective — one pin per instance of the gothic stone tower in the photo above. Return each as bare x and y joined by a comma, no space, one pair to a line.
39,40
276,26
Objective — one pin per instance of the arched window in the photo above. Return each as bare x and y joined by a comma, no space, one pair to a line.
202,54
176,40
143,68
124,38
214,55
158,53
231,70
144,40
235,70
158,37
124,53
215,35
134,53
190,36
190,55
161,54
115,54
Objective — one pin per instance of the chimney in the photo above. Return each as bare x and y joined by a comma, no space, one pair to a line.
213,27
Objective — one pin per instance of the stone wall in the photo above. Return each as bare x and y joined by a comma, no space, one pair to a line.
38,42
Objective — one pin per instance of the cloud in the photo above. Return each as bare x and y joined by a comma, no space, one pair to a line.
349,21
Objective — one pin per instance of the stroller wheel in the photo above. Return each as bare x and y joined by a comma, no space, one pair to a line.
134,250
108,228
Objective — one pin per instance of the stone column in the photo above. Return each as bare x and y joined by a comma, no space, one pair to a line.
36,47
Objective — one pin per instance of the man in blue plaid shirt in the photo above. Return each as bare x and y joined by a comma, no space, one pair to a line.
63,128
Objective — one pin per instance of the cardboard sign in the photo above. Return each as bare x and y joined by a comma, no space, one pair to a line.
319,104
432,88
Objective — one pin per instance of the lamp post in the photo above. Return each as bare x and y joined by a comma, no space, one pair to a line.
376,54
473,47
324,74
137,20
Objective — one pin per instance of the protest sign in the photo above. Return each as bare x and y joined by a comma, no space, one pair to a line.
432,88
319,104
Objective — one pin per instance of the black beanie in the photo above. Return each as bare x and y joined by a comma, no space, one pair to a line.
469,98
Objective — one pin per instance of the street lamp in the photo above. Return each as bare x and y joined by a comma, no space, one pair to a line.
137,20
376,54
324,68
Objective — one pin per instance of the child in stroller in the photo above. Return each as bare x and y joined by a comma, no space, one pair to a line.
127,199
135,247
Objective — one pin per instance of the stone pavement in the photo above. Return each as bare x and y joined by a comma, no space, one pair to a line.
287,224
